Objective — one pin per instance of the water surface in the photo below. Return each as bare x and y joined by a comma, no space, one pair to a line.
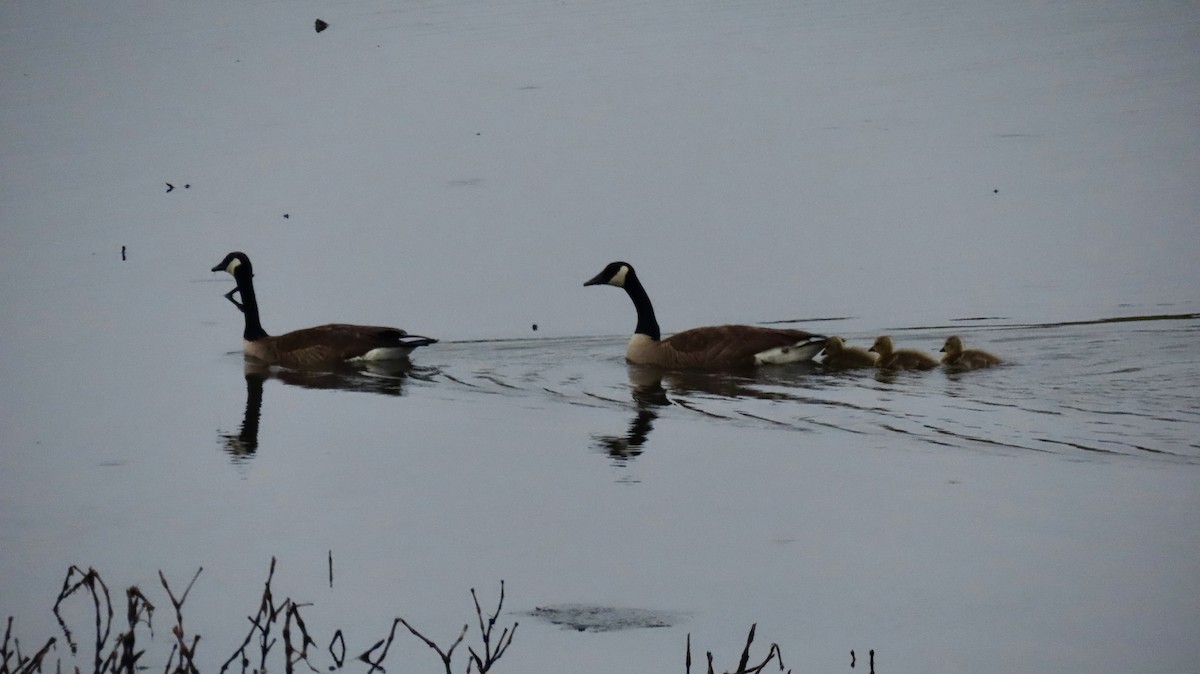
1016,174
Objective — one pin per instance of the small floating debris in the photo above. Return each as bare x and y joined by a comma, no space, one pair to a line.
122,253
587,618
170,187
320,25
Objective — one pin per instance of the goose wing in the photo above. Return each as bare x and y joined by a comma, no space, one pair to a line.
337,342
731,344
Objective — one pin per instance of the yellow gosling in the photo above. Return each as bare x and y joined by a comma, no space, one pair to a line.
891,358
958,358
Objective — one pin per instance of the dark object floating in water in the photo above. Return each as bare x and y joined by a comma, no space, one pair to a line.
285,216
320,25
535,327
584,618
122,253
170,187
995,191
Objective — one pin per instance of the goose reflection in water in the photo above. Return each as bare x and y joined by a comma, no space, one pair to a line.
653,388
645,383
385,378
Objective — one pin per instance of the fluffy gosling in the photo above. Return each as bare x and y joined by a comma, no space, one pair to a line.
841,357
891,358
958,358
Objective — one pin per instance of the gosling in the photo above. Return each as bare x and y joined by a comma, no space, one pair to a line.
838,356
891,358
958,358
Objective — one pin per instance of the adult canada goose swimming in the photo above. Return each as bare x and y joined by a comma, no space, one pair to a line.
841,357
958,358
323,345
891,358
718,346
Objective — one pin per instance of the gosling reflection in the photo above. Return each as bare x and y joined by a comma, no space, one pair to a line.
388,378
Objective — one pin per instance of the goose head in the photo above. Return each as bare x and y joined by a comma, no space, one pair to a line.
953,346
833,345
235,263
614,275
882,346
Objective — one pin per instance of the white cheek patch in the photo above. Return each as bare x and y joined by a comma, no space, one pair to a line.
234,264
618,279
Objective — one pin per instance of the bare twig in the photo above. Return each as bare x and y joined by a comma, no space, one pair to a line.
259,623
95,586
123,658
291,655
445,655
20,664
386,643
339,655
482,665
187,653
744,666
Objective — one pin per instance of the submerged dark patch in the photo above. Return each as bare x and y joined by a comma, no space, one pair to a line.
586,618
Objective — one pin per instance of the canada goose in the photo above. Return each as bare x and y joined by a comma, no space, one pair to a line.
716,346
841,357
323,345
958,358
891,358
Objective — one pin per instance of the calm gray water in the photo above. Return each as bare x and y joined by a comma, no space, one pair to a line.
1018,518
1014,173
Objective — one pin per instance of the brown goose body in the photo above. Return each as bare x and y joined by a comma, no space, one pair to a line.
717,346
891,358
838,356
959,358
321,346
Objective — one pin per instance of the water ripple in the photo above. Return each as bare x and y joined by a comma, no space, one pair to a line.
1120,387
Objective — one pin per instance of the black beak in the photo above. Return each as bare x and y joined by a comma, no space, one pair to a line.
597,280
218,268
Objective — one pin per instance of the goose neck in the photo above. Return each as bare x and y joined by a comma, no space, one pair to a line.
646,324
254,330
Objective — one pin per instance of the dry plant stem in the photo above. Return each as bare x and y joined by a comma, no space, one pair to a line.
291,657
339,655
744,666
22,665
482,665
772,653
187,653
90,580
260,623
386,643
123,658
444,655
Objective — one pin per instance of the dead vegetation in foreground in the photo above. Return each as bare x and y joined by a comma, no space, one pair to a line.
277,630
